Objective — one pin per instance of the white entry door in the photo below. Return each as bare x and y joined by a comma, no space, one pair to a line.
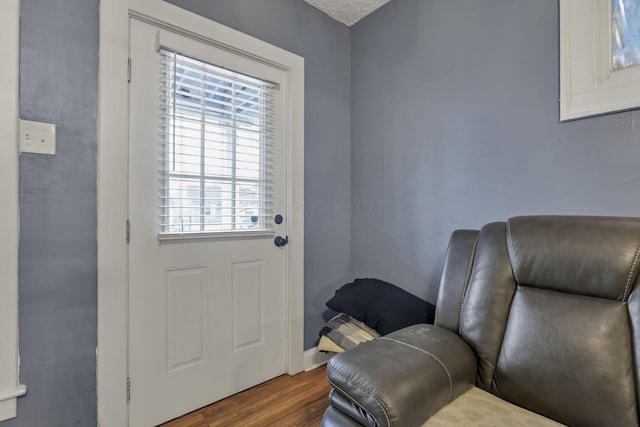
207,177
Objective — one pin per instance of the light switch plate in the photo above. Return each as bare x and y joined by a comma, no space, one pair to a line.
36,137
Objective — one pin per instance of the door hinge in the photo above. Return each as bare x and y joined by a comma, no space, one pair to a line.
128,389
129,70
128,231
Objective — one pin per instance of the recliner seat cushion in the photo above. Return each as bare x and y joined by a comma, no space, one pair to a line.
478,408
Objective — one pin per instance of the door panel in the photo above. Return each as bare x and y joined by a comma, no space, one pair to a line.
207,316
247,304
187,326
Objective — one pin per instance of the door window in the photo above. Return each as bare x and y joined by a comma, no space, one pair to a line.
216,149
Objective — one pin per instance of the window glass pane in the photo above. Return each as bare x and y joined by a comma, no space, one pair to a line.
183,207
248,156
626,33
185,144
218,152
248,196
215,159
218,207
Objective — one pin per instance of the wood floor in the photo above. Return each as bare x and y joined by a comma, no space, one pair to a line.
297,401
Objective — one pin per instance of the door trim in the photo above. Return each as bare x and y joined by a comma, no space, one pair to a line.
10,388
113,119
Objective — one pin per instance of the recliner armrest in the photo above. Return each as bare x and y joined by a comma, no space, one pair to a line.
404,378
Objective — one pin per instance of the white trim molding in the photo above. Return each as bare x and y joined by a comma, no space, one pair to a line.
588,83
113,117
314,358
10,388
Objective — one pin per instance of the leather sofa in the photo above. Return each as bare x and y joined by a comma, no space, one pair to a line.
537,319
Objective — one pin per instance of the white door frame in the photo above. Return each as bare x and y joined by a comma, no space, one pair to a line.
113,128
10,387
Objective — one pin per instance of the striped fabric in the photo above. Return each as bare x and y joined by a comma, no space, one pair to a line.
343,332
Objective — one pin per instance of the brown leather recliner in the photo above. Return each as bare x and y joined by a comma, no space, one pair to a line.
539,313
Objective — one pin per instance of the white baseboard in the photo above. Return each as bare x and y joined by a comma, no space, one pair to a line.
8,402
314,358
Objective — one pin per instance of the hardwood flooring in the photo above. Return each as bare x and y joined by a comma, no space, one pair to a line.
285,401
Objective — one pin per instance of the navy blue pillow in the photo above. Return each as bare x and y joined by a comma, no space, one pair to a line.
381,305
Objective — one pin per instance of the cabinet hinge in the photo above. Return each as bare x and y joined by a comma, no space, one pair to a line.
129,70
128,389
128,231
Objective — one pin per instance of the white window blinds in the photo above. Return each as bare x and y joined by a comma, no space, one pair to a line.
216,149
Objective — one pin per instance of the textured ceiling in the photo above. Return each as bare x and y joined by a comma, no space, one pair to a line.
347,11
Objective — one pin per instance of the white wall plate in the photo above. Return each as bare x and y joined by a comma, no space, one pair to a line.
38,138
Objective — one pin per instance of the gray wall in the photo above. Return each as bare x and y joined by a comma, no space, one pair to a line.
455,124
58,78
325,45
58,286
57,257
441,113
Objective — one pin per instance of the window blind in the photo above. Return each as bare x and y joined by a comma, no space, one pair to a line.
216,149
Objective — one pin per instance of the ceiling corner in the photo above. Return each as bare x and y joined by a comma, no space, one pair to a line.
347,11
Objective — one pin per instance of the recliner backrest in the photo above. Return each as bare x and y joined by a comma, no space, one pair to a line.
550,306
